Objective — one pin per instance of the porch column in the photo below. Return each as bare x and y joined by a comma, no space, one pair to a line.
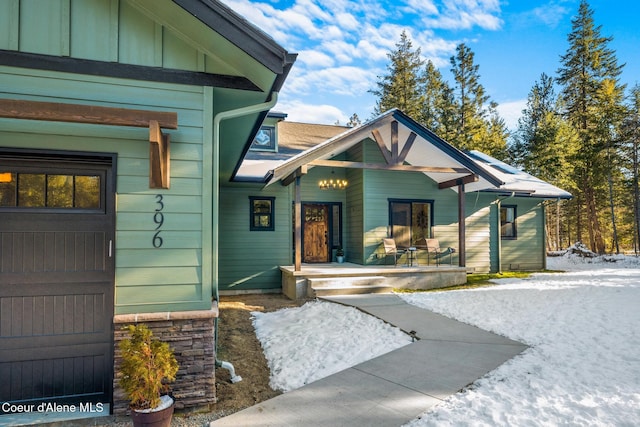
297,226
461,227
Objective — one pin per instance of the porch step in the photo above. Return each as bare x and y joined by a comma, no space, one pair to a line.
323,286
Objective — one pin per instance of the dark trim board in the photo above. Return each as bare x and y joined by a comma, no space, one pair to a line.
238,31
125,71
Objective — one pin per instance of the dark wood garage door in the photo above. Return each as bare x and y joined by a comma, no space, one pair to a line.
56,279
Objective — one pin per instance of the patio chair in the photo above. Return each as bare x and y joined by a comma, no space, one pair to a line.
390,249
432,246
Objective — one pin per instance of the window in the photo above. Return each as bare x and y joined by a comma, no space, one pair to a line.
34,189
265,139
508,222
410,220
261,209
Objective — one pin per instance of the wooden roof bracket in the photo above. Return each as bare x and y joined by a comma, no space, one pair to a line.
302,170
467,179
159,157
159,153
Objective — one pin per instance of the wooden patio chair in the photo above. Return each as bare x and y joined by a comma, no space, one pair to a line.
432,246
390,249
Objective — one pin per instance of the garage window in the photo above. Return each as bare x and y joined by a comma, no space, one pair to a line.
33,190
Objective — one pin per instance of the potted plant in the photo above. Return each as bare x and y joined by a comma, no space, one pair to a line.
146,367
340,255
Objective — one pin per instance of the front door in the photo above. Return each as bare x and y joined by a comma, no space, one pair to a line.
316,233
57,222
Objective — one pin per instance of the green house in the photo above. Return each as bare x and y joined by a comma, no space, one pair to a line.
314,189
118,121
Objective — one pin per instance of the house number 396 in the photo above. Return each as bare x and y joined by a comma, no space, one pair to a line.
158,219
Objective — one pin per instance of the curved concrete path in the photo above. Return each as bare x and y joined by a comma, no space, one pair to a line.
396,387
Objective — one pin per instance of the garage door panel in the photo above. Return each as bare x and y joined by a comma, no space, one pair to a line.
50,373
56,285
52,251
54,313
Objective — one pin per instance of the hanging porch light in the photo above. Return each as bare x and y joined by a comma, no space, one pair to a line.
333,183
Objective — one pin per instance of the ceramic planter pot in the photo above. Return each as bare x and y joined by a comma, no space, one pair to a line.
160,418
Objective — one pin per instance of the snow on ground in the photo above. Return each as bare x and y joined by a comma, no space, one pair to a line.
304,344
582,326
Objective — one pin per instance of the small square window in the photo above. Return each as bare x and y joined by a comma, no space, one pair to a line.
261,213
265,139
508,222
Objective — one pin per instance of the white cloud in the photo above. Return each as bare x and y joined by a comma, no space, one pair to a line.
551,14
314,59
298,111
511,111
465,14
346,80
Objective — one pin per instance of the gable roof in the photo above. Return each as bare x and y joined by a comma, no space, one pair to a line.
427,150
300,144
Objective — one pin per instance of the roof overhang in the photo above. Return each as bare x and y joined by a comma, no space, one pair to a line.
405,144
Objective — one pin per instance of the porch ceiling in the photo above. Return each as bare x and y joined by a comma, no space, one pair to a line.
425,152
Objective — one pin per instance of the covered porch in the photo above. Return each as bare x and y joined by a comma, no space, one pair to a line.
311,280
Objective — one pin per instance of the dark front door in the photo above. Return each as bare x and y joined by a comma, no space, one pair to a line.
316,233
56,280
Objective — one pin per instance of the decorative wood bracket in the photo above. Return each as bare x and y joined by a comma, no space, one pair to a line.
302,170
392,157
159,157
467,179
91,114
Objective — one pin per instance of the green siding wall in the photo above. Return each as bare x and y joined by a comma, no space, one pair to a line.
251,259
117,31
527,251
180,274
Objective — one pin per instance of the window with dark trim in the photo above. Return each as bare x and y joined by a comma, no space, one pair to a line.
261,213
508,228
410,220
22,189
265,139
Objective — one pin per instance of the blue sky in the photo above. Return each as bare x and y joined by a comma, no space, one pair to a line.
342,45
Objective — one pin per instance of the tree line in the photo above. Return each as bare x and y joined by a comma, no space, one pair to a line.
580,130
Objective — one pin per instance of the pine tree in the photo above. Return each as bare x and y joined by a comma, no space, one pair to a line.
478,125
401,87
630,136
354,121
470,97
541,146
586,66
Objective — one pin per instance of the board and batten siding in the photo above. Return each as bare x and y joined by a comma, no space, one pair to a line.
250,260
179,275
100,30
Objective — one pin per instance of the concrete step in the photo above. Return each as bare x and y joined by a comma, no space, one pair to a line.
348,285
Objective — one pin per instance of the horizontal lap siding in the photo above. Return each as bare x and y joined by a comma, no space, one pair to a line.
527,252
172,277
251,259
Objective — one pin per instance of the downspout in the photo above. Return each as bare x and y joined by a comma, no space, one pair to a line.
225,115
499,203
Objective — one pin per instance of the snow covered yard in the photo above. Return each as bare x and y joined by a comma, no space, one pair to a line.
583,367
583,326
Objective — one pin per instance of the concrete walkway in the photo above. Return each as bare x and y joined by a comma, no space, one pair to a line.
396,387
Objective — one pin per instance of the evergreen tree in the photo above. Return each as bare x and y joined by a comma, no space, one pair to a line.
586,66
543,144
401,87
470,97
630,136
354,121
478,125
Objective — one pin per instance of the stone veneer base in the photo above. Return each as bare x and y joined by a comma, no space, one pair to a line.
191,335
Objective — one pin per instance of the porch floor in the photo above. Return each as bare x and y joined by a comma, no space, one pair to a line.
347,278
